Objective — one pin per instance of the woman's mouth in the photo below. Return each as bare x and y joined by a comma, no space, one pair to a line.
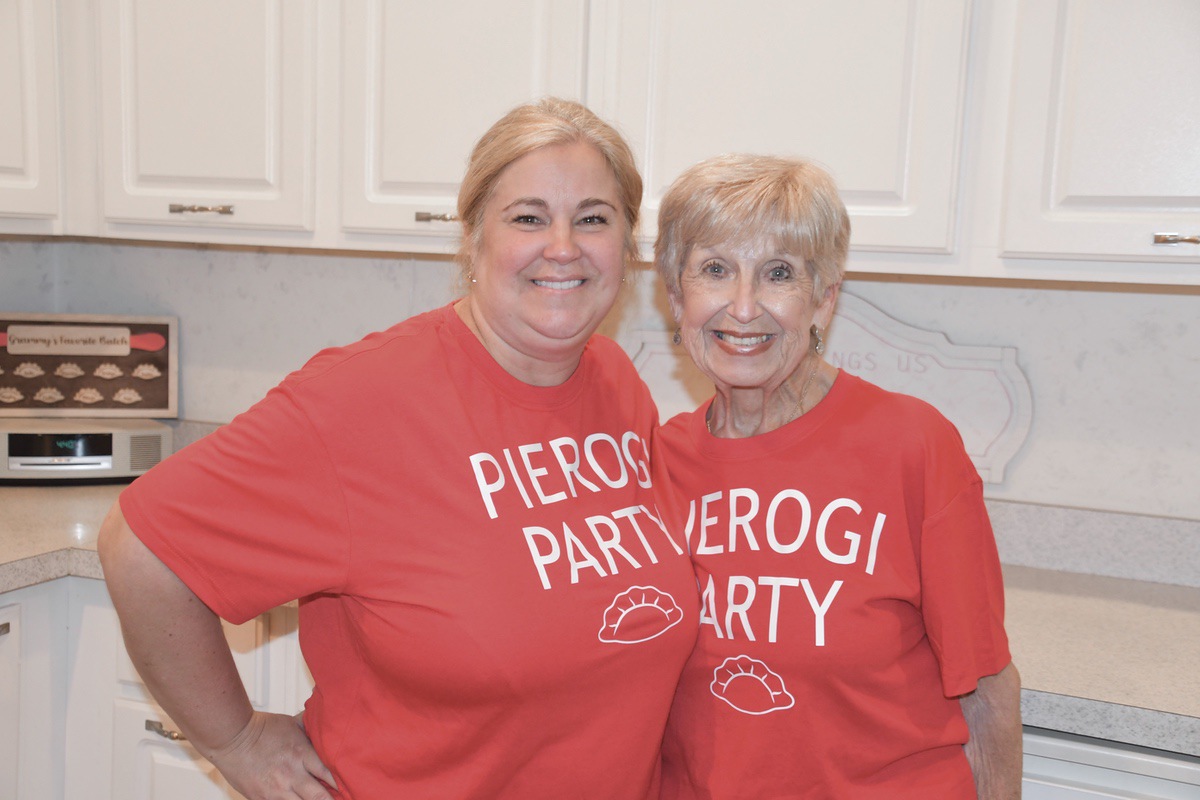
571,284
742,341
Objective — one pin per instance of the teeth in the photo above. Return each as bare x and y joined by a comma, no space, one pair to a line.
559,284
742,341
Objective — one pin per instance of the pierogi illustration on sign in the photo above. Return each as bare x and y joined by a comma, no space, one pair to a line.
108,371
88,395
750,686
68,370
9,394
146,372
28,369
638,614
127,396
48,394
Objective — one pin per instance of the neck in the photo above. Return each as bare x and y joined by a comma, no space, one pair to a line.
534,370
739,412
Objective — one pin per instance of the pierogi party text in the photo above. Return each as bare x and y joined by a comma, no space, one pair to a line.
839,533
536,474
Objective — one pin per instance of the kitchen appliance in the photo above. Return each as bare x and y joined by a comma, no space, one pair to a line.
80,450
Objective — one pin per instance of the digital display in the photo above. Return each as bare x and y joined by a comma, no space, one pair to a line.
59,445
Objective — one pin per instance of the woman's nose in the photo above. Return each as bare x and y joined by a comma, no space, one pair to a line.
562,247
743,306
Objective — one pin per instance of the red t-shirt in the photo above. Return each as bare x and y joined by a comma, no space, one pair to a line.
489,605
850,590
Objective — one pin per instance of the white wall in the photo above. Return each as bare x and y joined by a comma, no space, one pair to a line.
1115,372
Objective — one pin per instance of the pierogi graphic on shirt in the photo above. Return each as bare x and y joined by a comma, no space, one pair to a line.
750,686
639,614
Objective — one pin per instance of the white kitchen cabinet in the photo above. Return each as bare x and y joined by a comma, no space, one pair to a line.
148,765
33,668
873,90
1064,767
119,744
10,697
1104,149
29,111
207,119
420,83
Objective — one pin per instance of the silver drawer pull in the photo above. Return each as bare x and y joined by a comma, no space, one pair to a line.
3,628
180,208
427,216
154,726
1175,238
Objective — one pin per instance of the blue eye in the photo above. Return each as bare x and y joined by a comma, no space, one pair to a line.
713,268
780,272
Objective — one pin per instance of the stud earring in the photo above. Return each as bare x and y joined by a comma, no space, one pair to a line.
820,345
677,339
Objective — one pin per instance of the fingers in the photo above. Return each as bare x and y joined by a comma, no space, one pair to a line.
273,759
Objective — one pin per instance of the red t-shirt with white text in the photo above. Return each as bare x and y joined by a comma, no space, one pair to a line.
490,607
850,591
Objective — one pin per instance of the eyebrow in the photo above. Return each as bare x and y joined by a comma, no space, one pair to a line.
589,202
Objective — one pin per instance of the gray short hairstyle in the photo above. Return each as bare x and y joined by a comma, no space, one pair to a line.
744,198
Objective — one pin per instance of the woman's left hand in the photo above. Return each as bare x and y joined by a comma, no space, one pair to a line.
271,758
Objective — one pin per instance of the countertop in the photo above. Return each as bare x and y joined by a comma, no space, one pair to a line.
1111,658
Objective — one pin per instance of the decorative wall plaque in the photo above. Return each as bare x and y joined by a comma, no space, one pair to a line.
980,389
76,365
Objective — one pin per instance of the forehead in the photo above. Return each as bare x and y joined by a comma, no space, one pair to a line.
559,171
749,250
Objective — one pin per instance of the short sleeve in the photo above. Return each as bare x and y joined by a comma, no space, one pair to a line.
962,592
251,516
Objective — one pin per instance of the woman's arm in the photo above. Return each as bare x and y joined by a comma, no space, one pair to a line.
179,648
993,714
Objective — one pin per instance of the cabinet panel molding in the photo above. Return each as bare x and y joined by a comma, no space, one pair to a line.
150,766
208,109
422,82
29,107
871,90
10,697
1104,148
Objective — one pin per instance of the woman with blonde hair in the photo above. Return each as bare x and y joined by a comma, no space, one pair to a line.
852,638
489,605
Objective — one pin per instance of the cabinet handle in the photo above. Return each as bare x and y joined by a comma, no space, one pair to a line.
3,628
427,216
180,208
1175,238
154,726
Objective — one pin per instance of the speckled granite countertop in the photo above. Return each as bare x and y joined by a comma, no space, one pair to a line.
1107,657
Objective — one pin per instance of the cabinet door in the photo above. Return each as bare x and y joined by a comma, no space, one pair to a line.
29,108
1105,137
110,753
421,83
10,697
207,116
870,89
150,764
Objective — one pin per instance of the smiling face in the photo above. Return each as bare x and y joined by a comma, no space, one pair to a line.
550,259
744,313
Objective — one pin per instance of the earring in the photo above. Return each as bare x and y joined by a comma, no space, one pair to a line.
816,334
471,277
677,339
